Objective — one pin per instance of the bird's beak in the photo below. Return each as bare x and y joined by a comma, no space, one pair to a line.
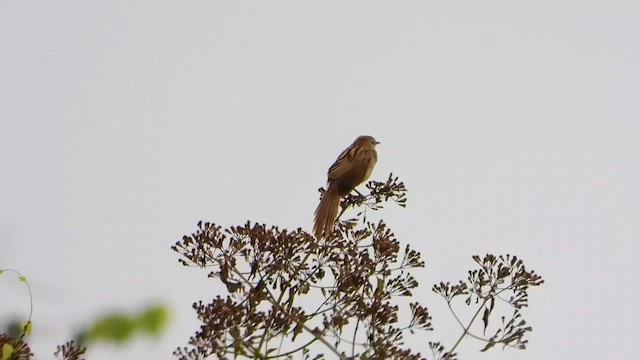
377,142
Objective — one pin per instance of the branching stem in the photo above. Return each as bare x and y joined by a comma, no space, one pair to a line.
466,329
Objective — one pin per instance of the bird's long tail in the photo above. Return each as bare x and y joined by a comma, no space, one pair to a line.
326,213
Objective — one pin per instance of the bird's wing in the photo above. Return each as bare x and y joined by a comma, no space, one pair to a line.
344,163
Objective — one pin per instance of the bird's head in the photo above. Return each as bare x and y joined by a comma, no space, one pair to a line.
366,140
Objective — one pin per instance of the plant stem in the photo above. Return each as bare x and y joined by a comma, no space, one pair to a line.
466,329
277,305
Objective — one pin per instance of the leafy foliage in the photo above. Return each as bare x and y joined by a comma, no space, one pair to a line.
14,347
121,327
117,328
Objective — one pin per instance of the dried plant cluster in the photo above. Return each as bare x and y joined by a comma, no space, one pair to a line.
70,351
19,349
502,278
288,294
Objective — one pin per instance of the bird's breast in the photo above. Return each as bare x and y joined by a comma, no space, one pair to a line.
355,175
371,165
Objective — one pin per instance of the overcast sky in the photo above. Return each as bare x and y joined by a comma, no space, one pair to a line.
514,125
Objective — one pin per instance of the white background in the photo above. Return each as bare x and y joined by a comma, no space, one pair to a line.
513,124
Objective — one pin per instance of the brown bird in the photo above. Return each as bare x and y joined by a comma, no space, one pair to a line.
351,169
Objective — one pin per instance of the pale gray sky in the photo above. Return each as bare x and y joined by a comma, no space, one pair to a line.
513,124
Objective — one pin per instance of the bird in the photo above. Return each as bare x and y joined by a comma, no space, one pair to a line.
353,167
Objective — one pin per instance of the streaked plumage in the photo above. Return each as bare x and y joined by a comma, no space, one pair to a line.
353,167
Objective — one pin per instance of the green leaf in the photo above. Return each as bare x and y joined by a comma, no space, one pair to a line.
154,319
489,346
116,328
26,325
7,350
22,279
380,285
